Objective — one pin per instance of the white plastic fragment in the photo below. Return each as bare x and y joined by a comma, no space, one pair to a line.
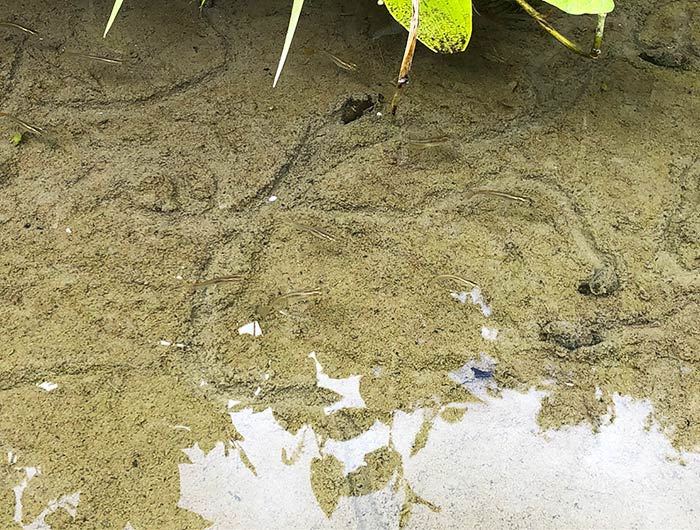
165,343
252,328
477,298
68,231
181,427
272,198
461,297
257,391
489,333
180,345
47,385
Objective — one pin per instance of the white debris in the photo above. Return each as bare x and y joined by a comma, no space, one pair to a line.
47,385
489,333
348,388
178,277
257,391
232,403
461,297
272,198
477,298
266,377
203,383
181,427
252,328
598,393
69,231
180,345
165,343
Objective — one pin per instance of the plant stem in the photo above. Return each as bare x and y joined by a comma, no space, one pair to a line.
598,40
595,50
407,55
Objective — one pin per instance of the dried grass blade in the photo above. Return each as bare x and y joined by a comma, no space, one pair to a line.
293,20
113,15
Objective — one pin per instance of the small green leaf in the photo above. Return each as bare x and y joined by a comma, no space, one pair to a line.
115,10
17,138
584,7
445,26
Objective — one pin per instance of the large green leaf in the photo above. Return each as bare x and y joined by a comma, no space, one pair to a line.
584,7
445,25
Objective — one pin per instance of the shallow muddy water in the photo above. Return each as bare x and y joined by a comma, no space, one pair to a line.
230,306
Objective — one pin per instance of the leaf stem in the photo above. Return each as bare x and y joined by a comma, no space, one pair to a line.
595,50
407,56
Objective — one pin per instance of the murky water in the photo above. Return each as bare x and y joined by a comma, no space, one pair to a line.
227,306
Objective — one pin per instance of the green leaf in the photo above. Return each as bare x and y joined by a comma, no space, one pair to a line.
115,9
445,26
293,19
584,7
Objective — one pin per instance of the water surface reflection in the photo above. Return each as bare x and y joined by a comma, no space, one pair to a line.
493,467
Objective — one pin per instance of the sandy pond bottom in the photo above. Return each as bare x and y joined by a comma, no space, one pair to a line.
556,384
